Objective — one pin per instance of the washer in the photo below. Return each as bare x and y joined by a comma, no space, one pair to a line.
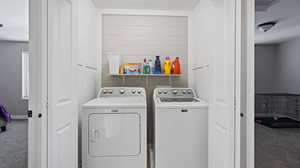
114,129
181,129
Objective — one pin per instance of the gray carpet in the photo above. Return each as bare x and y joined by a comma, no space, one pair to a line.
13,145
277,148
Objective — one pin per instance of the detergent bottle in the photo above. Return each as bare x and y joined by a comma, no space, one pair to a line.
151,65
157,66
167,66
145,66
148,69
176,66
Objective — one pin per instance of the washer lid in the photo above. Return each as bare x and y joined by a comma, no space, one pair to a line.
176,103
127,102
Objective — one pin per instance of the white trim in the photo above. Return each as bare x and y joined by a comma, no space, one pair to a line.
238,63
37,127
25,75
99,41
143,12
19,117
189,55
250,44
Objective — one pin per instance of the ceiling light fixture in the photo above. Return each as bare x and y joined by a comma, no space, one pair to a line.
264,27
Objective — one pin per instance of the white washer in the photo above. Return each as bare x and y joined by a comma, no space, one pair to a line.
114,129
181,129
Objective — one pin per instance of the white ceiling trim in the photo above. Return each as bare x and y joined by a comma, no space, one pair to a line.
147,4
143,12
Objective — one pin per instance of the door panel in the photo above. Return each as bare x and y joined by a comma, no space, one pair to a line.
62,112
114,135
181,138
222,112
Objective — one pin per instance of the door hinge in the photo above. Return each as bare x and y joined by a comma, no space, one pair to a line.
29,113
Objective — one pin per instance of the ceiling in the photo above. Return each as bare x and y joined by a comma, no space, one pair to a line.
14,17
287,13
147,4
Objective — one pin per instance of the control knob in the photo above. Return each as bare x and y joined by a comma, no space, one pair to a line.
175,91
122,91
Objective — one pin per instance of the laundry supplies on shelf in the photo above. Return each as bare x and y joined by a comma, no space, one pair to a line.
157,65
146,67
150,67
131,68
167,67
176,66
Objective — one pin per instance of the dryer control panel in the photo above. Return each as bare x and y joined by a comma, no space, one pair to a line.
121,92
175,92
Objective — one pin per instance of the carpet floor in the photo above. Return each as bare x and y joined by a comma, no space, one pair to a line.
277,148
13,145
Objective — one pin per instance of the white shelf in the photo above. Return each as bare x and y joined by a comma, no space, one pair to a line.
158,75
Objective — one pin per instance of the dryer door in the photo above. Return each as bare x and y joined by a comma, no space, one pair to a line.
114,135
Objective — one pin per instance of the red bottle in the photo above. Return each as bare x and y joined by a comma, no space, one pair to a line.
176,66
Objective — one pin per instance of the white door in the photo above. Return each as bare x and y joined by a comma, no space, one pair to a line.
222,112
62,107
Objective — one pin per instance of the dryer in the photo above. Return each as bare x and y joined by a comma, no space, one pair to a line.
114,129
181,129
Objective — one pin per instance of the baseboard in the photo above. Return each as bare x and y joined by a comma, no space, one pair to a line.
19,117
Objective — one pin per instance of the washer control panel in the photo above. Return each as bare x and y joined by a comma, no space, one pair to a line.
121,92
175,92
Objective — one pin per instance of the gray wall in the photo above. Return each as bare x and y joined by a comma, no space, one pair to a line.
137,37
264,68
277,67
11,77
287,67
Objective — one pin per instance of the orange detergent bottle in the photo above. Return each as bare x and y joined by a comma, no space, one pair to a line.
176,66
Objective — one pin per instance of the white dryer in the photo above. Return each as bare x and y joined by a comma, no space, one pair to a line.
181,129
114,129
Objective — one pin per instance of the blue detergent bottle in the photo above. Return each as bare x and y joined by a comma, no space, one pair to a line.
157,65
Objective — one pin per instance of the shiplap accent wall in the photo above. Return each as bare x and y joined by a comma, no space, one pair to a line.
137,37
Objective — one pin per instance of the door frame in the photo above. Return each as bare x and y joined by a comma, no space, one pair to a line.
248,75
38,83
37,127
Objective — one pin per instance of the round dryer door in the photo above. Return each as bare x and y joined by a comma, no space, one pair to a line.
114,135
